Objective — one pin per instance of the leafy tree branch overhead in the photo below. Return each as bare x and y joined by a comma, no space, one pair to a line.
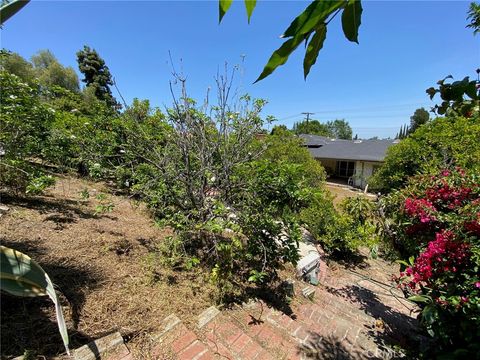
8,8
474,17
310,27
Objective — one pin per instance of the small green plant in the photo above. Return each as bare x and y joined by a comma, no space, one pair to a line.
359,208
29,355
95,170
256,276
84,194
191,263
101,197
105,206
39,184
172,251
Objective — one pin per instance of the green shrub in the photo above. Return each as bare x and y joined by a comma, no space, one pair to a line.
359,208
285,147
39,184
24,124
438,225
439,143
341,232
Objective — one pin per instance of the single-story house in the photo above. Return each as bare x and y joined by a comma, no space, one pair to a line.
353,160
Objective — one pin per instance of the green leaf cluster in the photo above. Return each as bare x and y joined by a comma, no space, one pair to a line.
10,8
310,27
439,143
459,98
24,122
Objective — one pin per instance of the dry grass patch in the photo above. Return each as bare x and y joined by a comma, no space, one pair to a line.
105,263
342,192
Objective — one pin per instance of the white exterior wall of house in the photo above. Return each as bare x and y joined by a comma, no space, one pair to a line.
363,170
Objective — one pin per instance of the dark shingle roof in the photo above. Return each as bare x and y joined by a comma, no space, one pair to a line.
313,140
367,150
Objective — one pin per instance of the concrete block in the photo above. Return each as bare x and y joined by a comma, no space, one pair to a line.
167,324
208,315
308,292
101,348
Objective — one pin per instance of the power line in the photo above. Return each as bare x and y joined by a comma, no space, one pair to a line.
375,107
289,117
374,127
394,107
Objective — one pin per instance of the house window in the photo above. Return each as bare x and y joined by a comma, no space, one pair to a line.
375,168
345,168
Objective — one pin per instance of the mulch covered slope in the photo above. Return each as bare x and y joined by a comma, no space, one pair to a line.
106,265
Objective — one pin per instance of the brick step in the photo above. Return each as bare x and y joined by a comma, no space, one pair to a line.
329,325
314,313
325,299
110,347
256,332
288,334
344,321
306,335
298,327
310,321
228,339
176,341
309,324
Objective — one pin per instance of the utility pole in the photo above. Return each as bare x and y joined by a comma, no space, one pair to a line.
307,115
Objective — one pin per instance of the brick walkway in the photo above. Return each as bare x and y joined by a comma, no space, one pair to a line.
349,317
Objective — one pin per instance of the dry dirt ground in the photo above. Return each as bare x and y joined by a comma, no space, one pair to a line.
341,192
107,267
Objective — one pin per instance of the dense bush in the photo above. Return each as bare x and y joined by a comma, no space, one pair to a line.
340,232
439,226
353,227
233,200
439,143
25,122
284,147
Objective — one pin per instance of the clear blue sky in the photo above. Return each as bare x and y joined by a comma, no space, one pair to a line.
405,47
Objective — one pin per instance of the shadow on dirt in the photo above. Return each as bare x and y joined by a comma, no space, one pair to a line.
29,323
66,209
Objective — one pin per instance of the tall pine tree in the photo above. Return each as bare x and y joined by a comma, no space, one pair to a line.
97,75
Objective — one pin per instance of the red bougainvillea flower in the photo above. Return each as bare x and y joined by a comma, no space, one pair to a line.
473,226
421,209
444,254
445,195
